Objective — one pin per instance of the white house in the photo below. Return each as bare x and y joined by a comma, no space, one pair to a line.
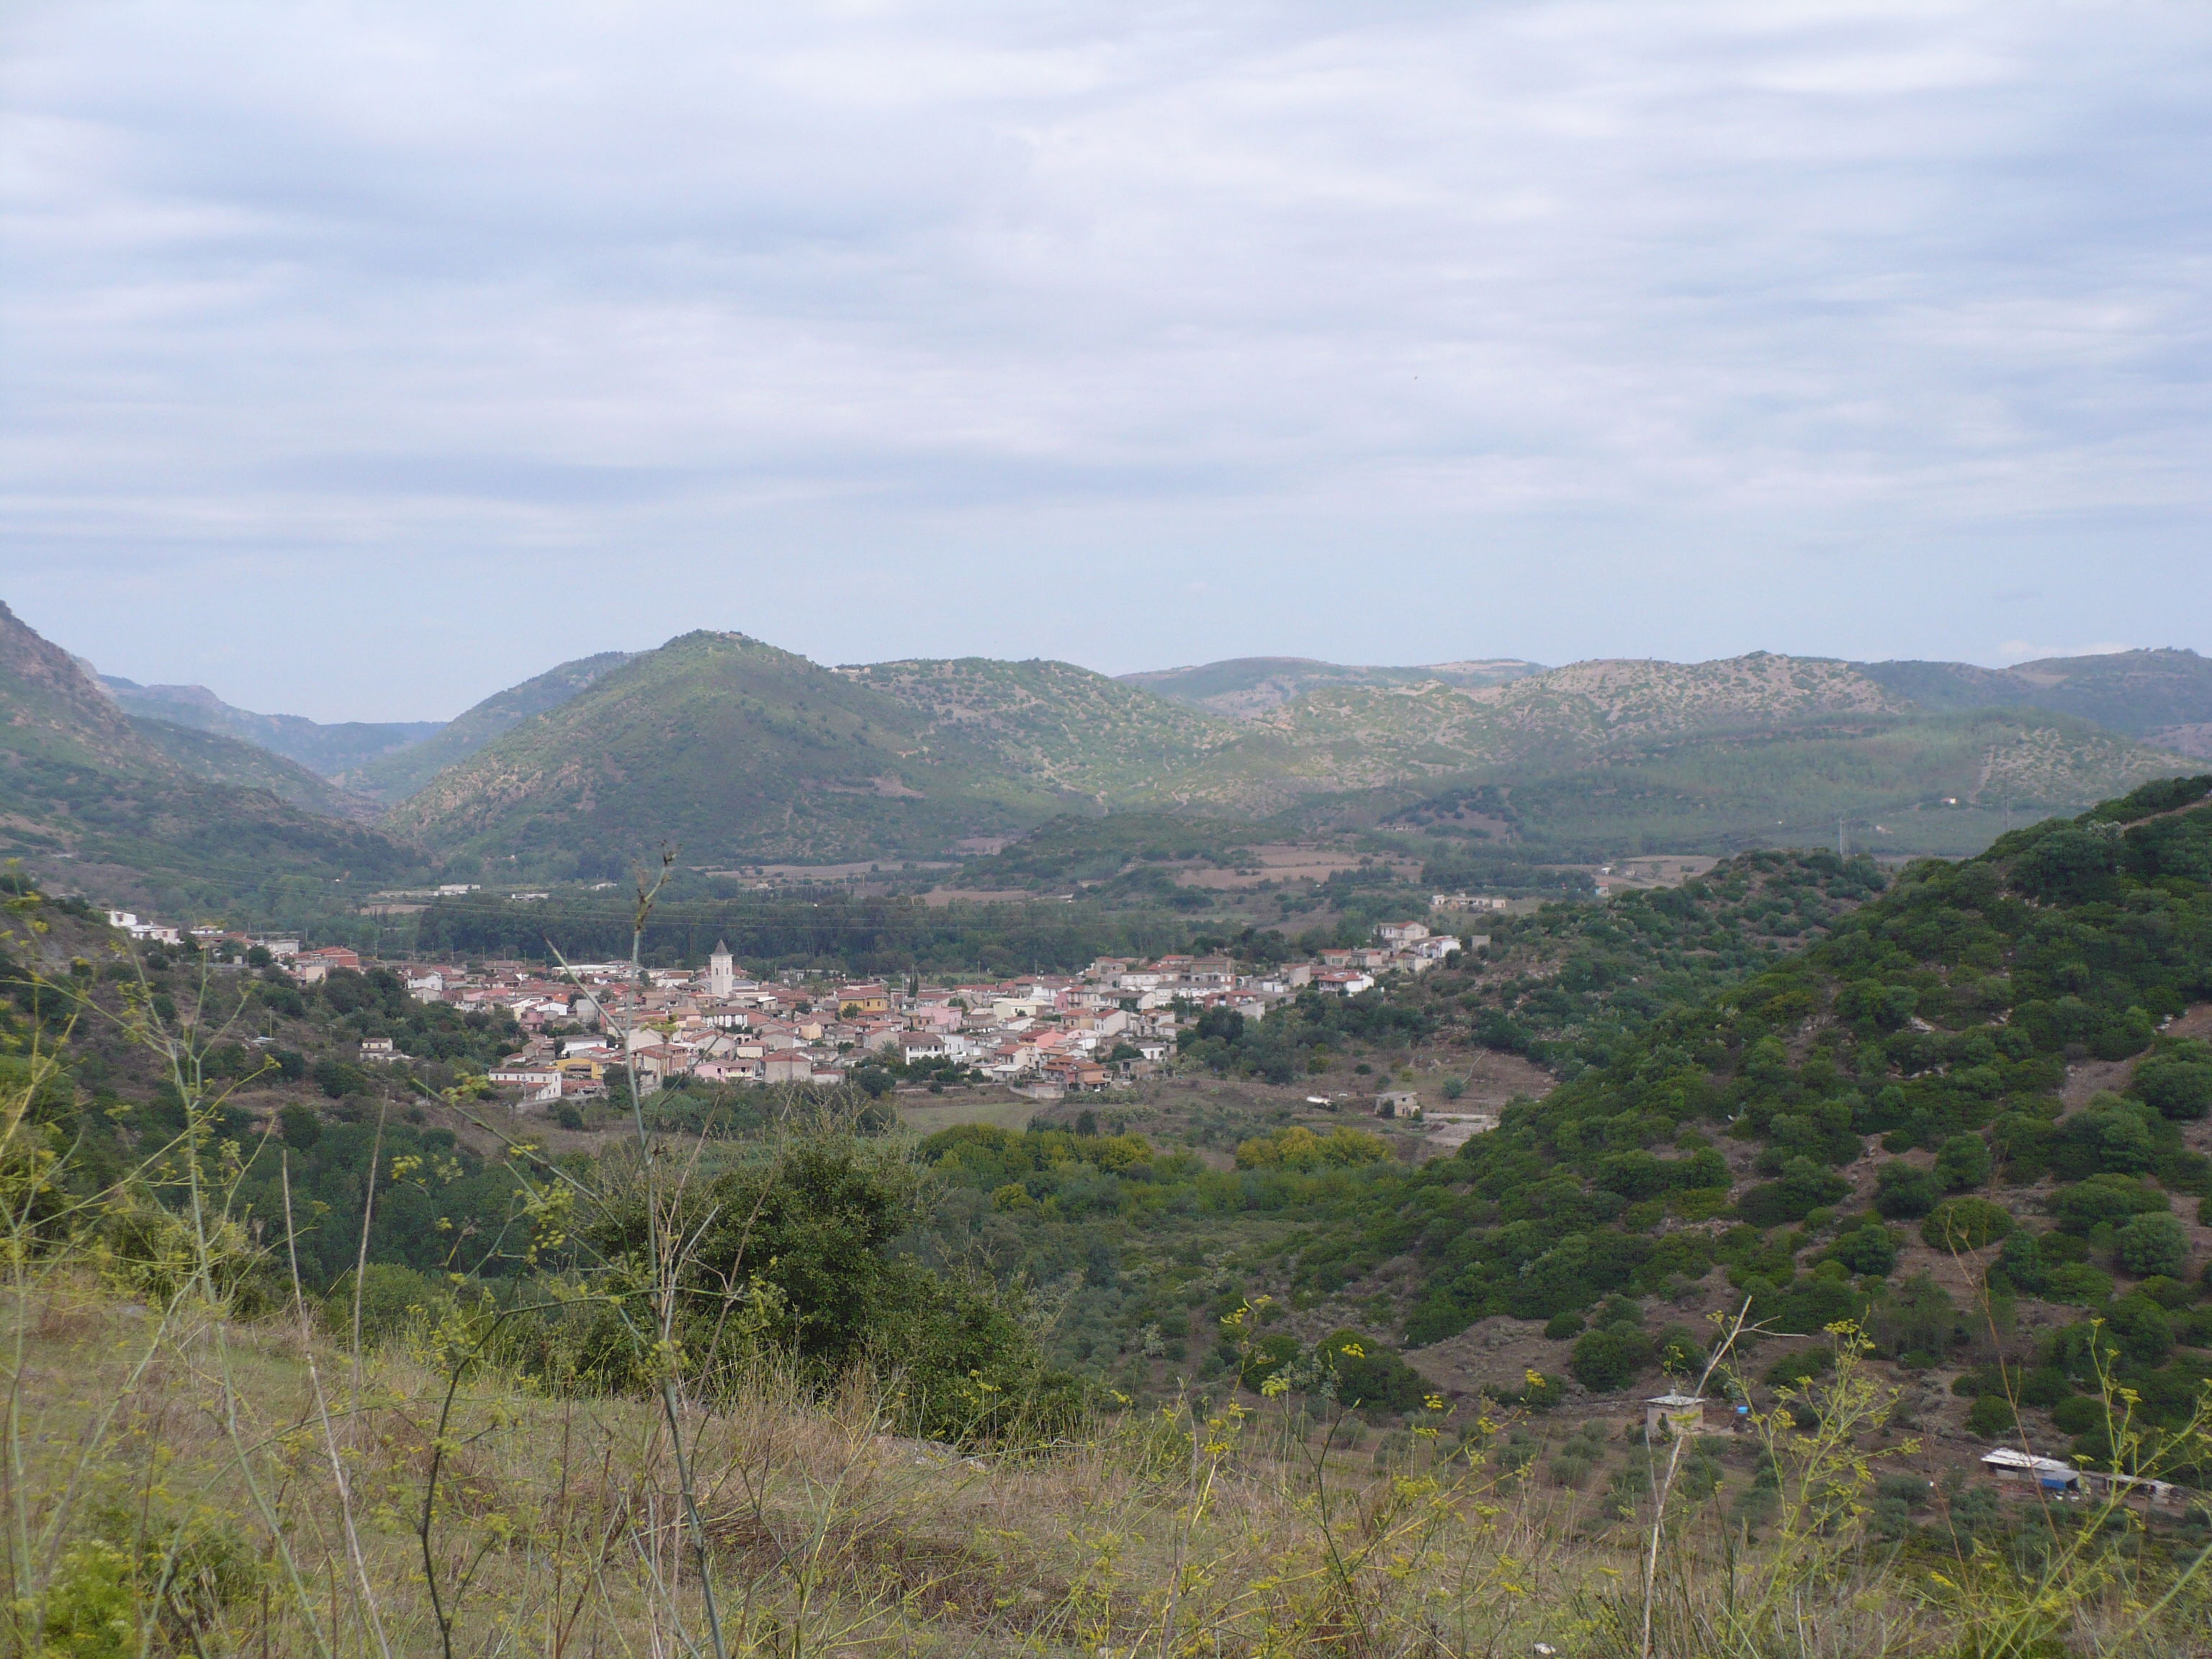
155,931
539,1084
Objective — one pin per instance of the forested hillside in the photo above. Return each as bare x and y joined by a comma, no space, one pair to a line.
326,749
1986,1071
146,814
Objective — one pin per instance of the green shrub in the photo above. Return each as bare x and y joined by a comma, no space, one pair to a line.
2079,1283
300,1126
1801,1366
2113,1199
1965,1223
1991,1415
2078,1414
1610,1358
1369,1375
2020,1263
1804,1187
815,1230
1697,1203
1963,1162
1561,1326
2144,1332
392,1298
1902,1191
1867,1250
1265,1357
2179,1085
337,1079
1681,1351
2192,1327
2155,1243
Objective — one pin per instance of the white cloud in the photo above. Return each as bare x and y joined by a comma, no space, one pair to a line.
1413,330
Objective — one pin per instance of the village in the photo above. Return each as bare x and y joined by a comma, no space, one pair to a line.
1042,1035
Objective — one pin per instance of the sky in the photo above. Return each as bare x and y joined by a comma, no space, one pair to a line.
357,360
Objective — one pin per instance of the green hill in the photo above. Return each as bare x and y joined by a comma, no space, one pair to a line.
395,777
1947,785
1051,723
1992,1053
743,753
736,751
324,749
213,757
1243,687
90,797
1605,757
2163,697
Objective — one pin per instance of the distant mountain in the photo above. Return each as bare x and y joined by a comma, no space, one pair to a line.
743,753
2163,697
1342,737
214,758
1051,724
324,750
397,774
1943,784
1241,688
1610,755
738,751
90,797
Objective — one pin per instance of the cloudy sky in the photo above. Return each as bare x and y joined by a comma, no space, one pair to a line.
356,360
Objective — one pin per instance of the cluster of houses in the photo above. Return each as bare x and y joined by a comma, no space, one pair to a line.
1044,1035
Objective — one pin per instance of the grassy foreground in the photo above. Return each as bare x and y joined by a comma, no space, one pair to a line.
179,1480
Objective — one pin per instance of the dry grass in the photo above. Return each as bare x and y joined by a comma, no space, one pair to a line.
556,1528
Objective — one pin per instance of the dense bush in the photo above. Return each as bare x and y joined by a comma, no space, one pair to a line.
1867,1249
1611,1357
2178,1082
1297,1147
2154,1244
1963,1162
808,1236
1991,1416
1965,1223
1804,1187
2102,1199
1369,1375
1902,1191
